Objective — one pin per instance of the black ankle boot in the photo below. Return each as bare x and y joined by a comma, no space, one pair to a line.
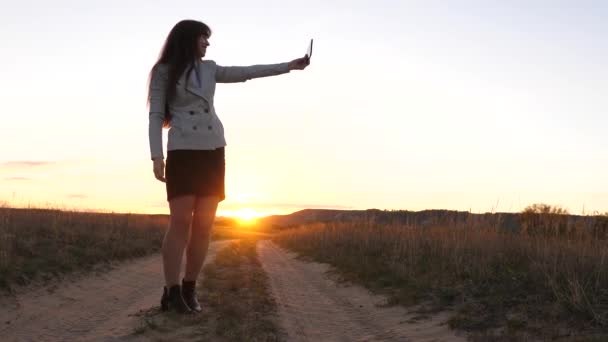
164,300
189,294
172,300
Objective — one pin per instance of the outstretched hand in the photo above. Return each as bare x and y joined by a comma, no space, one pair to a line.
299,64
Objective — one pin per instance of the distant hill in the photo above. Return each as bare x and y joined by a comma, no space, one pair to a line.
425,218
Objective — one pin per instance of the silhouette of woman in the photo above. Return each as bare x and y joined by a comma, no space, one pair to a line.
181,91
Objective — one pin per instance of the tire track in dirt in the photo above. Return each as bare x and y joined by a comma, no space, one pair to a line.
99,307
312,307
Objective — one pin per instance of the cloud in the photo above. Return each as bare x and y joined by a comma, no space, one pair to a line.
308,206
253,205
77,196
26,163
296,206
17,179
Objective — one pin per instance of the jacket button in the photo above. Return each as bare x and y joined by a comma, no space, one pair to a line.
194,128
191,112
209,127
206,110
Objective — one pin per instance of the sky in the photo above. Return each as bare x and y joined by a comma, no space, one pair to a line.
481,106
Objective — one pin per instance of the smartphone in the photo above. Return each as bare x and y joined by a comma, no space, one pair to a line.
309,52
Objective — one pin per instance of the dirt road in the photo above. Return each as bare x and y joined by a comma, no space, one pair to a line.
312,307
94,308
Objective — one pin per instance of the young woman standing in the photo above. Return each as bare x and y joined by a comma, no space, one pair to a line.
182,87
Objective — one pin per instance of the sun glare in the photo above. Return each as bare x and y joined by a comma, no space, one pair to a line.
246,215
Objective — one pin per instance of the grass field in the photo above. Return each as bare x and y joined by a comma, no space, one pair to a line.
546,280
42,244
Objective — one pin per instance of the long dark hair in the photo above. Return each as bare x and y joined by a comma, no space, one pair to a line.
178,53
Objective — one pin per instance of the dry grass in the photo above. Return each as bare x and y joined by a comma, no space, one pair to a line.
236,288
548,279
43,244
230,229
236,300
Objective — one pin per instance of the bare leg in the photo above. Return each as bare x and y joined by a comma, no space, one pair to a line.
204,215
176,237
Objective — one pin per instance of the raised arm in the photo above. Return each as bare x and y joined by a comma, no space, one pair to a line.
230,74
158,97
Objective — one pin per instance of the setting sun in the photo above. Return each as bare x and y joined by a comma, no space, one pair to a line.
245,215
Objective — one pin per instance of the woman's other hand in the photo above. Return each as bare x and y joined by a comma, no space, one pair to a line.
159,169
299,64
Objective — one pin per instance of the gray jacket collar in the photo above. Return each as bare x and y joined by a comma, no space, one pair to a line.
196,84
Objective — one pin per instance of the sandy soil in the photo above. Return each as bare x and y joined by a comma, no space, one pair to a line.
100,307
313,307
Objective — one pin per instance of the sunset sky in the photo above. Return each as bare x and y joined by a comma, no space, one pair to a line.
475,105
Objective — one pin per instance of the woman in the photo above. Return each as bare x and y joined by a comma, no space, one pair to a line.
182,86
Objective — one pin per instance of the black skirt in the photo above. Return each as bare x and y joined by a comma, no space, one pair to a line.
195,172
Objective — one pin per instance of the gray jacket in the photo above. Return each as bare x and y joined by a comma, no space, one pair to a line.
194,122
